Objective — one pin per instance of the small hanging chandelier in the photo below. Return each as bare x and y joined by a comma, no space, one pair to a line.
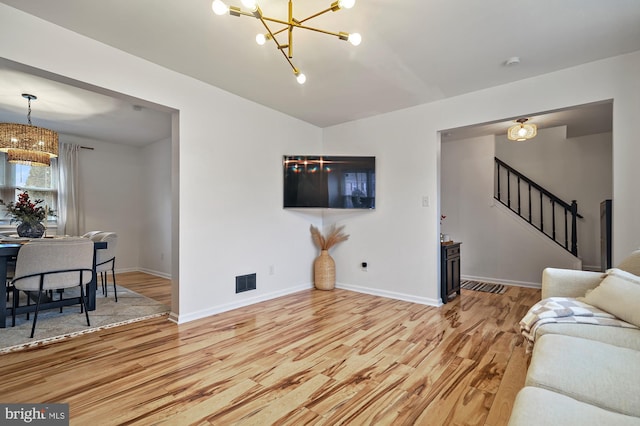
220,8
28,144
522,131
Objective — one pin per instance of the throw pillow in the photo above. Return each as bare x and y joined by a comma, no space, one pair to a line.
631,263
618,294
624,274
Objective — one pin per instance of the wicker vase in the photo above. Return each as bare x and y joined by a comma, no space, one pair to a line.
324,271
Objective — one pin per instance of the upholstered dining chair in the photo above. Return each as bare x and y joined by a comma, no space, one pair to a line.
44,266
106,260
91,234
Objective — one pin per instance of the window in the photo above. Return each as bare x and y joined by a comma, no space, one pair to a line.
40,182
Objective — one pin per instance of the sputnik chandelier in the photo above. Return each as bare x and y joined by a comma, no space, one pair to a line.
220,8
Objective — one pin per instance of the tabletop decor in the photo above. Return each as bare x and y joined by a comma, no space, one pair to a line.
29,215
324,267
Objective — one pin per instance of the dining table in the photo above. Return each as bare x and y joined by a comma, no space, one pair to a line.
9,251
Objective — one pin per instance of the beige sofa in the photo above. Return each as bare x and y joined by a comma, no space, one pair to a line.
584,374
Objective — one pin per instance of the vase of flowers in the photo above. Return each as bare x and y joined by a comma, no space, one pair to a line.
324,267
29,215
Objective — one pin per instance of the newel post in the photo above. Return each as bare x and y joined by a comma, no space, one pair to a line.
574,228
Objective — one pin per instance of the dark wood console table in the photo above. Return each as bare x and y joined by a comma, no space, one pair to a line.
449,270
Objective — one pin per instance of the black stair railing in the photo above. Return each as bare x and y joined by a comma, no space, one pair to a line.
538,207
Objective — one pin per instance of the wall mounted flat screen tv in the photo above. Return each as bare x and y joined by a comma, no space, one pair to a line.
335,182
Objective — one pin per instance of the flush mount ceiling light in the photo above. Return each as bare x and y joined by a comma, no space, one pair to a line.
522,131
220,8
27,144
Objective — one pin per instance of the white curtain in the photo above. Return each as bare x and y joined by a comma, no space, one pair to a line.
68,190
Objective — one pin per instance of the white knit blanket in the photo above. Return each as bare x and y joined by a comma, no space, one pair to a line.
565,310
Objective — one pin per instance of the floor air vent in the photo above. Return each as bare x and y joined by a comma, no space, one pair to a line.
245,283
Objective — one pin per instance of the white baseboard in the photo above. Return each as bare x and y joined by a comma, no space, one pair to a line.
391,294
501,281
146,271
181,319
593,268
155,273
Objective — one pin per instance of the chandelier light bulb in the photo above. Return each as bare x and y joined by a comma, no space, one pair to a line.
355,39
301,78
261,39
522,132
346,4
219,8
252,5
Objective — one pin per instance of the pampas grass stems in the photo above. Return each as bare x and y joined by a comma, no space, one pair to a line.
334,237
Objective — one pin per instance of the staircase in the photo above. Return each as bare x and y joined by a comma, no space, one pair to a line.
542,209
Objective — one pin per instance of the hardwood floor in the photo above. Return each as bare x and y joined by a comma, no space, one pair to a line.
310,358
153,287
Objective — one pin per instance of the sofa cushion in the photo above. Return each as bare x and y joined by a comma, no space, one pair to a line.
619,336
631,263
540,407
618,294
624,274
593,372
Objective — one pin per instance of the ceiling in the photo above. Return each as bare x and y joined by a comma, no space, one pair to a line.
413,52
72,110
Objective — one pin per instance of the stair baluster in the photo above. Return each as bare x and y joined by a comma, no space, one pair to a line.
544,195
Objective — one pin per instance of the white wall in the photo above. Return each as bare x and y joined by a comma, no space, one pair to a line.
109,190
402,235
497,245
226,165
573,169
155,196
238,194
127,190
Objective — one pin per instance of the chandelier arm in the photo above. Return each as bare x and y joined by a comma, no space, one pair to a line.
319,30
294,24
295,70
278,21
281,30
315,15
271,34
236,11
280,47
290,31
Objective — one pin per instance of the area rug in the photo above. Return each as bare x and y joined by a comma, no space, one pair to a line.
53,325
480,286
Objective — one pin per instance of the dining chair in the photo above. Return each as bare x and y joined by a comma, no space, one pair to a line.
106,260
45,266
91,233
11,263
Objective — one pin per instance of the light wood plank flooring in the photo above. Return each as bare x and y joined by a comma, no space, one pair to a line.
311,358
151,286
